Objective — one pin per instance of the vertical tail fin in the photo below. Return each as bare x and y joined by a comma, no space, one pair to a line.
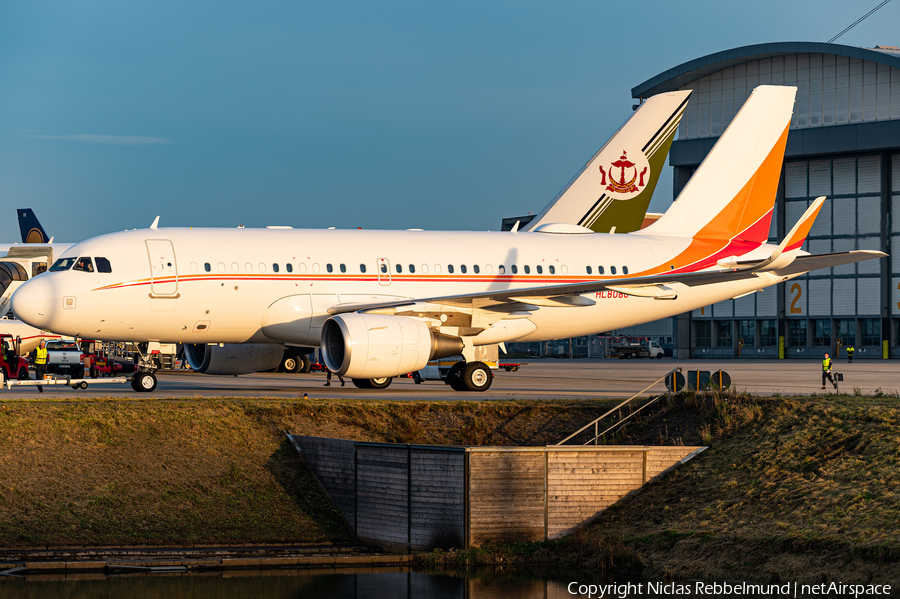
30,228
732,194
615,186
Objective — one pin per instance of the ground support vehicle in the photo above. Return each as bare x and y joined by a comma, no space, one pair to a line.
99,362
142,382
511,366
12,366
65,357
640,349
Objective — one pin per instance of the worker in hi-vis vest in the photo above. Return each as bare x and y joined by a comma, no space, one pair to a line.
826,371
40,363
850,354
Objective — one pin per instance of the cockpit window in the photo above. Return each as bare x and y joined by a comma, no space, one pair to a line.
63,264
84,264
103,265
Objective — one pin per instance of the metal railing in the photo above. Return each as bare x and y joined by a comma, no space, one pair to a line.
596,423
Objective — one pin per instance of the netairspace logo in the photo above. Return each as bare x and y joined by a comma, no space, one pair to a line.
724,589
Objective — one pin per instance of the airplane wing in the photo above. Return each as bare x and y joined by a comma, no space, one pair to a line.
655,286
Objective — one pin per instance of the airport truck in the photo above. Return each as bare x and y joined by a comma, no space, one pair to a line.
12,366
65,357
637,349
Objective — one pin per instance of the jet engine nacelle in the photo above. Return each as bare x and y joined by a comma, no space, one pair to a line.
233,358
368,346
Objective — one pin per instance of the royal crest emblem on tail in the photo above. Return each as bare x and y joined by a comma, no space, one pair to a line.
624,178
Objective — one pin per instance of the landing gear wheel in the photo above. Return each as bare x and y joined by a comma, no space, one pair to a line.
362,383
144,382
304,364
380,383
290,365
454,376
417,378
476,376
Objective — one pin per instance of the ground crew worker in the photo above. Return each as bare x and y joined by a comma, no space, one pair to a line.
40,363
826,371
850,354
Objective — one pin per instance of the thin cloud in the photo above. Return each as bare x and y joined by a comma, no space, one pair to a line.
114,140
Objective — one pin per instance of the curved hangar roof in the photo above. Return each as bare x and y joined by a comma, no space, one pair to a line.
848,99
677,77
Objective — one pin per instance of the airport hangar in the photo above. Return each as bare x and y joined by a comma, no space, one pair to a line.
844,143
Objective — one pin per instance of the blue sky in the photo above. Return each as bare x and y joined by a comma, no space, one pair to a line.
382,115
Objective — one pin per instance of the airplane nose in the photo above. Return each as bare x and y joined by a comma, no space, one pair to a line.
29,303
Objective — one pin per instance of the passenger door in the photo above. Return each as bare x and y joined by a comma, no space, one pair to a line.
163,269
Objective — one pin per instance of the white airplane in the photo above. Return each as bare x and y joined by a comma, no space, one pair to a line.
30,336
383,303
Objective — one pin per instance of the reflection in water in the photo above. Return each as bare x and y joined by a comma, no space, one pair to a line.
295,584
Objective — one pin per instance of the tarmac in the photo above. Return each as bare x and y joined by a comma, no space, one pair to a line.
535,379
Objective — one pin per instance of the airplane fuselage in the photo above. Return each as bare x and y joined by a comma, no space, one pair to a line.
276,285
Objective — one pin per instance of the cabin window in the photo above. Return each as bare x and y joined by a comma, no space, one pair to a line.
84,265
383,268
501,269
221,266
564,269
104,266
476,269
412,268
437,269
235,267
343,268
262,267
527,270
425,269
587,269
398,268
462,268
207,267
450,268
362,268
302,267
624,270
248,267
539,269
315,267
612,270
289,267
329,268
275,267
552,269
515,269
194,267
599,270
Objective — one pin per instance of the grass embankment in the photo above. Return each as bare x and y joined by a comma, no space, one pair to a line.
790,489
181,472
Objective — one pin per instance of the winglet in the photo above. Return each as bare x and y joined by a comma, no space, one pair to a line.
799,233
788,249
155,223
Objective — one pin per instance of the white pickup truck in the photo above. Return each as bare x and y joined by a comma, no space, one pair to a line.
65,357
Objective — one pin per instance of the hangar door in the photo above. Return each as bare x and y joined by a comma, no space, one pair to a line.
163,270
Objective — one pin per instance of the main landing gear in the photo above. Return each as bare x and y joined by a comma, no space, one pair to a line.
379,383
470,376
